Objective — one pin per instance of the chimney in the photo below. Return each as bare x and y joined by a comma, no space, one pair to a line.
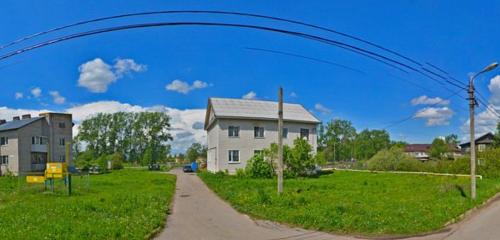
3,121
16,118
26,116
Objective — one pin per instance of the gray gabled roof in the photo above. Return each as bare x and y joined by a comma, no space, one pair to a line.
16,124
258,109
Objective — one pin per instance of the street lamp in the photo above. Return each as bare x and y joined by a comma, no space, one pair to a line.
472,104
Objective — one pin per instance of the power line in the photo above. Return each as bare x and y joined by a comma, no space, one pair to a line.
350,36
413,115
306,57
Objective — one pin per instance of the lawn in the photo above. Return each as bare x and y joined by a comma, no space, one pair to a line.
124,204
370,204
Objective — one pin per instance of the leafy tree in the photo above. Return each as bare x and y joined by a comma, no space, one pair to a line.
195,151
394,159
398,144
368,142
84,160
452,139
438,148
259,167
337,140
300,160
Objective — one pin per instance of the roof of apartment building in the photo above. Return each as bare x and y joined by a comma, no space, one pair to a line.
257,109
16,124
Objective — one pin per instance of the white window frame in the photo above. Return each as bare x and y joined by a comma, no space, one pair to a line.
236,129
256,130
230,158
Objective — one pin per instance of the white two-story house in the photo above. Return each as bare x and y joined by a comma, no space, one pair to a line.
238,128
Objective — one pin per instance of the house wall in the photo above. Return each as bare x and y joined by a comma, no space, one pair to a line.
246,143
37,128
56,133
212,144
10,150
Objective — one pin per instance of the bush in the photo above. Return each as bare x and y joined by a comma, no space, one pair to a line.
299,159
116,161
394,159
84,160
489,163
259,167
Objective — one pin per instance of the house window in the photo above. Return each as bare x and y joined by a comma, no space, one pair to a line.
62,158
38,158
304,133
62,125
285,133
258,132
4,160
61,141
233,131
234,156
4,140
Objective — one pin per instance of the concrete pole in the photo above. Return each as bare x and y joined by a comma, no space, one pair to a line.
472,104
280,141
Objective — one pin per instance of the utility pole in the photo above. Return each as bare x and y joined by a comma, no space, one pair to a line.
280,141
472,104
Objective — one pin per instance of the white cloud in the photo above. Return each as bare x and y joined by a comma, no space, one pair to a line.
250,95
36,92
435,116
184,123
293,94
424,100
184,87
322,109
57,98
96,75
19,95
486,121
126,66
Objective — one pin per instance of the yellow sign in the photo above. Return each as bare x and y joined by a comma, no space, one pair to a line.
55,168
35,179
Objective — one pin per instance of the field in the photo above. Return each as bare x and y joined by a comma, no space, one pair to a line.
124,204
370,204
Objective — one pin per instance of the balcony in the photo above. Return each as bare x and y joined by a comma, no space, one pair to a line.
38,148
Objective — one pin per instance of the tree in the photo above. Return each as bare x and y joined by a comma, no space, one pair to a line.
368,142
195,151
452,139
438,148
337,140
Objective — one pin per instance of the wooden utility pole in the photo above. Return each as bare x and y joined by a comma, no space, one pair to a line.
472,104
280,140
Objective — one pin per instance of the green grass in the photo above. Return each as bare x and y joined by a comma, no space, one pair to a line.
125,204
355,203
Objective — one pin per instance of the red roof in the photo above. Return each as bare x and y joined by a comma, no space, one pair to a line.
417,147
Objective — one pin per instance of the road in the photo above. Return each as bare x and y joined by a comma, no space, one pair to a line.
198,214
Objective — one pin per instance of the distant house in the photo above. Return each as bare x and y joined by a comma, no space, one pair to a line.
482,143
421,151
418,151
238,128
28,143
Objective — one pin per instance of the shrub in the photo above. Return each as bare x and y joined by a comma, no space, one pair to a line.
84,160
240,172
299,159
259,167
489,163
116,161
394,159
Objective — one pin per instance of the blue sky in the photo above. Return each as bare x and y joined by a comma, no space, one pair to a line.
131,70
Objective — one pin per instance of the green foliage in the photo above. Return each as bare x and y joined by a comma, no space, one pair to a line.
147,157
489,163
195,151
375,204
439,148
394,159
84,160
368,142
299,160
452,139
259,167
116,161
127,133
337,140
126,204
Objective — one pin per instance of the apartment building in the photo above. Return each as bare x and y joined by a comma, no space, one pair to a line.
238,128
27,143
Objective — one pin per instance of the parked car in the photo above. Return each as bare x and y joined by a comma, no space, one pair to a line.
187,168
